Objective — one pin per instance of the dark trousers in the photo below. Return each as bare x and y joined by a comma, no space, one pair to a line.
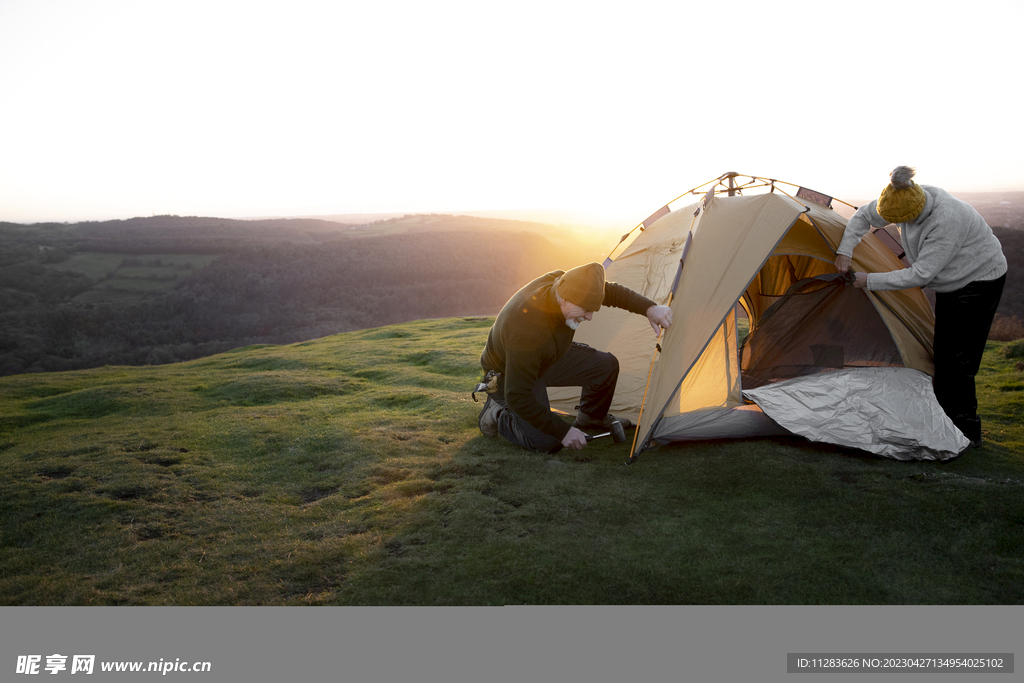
581,366
962,321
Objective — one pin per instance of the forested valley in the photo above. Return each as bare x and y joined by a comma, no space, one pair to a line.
127,293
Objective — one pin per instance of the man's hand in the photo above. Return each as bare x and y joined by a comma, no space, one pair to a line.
574,439
861,281
659,316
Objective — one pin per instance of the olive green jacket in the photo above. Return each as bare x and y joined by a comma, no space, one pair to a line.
530,335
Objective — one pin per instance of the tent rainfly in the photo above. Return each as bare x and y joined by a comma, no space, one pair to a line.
822,359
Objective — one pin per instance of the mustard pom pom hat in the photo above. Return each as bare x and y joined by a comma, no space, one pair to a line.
902,200
583,286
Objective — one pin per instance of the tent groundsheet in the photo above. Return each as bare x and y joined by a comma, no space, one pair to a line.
891,412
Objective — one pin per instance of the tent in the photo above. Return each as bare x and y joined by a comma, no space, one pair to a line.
822,359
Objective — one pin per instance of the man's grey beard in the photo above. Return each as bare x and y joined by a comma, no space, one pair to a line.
574,323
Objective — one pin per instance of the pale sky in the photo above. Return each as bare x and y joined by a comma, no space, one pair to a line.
118,108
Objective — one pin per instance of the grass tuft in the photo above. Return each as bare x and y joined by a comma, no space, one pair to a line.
1014,349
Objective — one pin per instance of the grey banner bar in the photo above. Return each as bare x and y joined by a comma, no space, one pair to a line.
878,662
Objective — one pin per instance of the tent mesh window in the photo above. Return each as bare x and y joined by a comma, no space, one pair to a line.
819,325
776,276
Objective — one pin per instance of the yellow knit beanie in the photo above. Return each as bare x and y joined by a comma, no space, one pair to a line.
902,200
583,286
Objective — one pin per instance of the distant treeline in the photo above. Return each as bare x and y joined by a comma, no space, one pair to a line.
279,282
181,234
203,235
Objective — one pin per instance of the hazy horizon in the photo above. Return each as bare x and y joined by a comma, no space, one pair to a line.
555,217
116,109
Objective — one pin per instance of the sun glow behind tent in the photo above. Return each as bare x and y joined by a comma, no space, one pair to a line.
753,249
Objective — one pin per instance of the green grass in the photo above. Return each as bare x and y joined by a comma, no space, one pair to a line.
94,265
349,470
115,282
137,285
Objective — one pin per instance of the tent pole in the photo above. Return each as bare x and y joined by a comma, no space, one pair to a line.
657,343
643,403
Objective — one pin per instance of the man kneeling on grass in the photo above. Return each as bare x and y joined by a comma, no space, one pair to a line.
530,347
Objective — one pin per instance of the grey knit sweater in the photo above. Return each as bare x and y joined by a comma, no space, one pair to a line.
949,245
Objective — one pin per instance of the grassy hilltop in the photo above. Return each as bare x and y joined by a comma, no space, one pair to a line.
349,470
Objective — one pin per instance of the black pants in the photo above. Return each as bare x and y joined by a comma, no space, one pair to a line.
962,322
581,366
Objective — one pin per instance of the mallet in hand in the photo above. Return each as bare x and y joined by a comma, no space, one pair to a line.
617,433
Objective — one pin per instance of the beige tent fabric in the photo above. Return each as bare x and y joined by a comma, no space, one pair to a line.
648,265
730,242
714,381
